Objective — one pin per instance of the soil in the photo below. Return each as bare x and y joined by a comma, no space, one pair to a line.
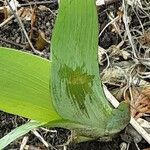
44,22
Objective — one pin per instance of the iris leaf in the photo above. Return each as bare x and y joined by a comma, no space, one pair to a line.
24,86
76,85
18,132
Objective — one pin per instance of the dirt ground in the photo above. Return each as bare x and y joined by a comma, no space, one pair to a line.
41,22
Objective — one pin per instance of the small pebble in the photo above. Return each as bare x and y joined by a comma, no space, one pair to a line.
123,146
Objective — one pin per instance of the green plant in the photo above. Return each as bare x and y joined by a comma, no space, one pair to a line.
66,91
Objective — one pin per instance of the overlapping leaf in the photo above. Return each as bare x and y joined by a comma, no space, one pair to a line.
76,85
24,85
18,132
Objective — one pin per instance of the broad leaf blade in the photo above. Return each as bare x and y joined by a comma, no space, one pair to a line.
24,85
18,132
76,86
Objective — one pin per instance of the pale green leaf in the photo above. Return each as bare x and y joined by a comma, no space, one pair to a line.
18,132
24,85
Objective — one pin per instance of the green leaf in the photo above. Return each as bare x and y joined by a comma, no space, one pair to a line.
76,86
18,132
24,86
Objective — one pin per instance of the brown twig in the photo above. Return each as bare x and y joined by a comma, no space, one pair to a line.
11,42
38,3
6,21
23,29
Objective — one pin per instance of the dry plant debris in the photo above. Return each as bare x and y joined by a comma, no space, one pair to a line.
140,105
145,39
27,19
124,45
126,63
